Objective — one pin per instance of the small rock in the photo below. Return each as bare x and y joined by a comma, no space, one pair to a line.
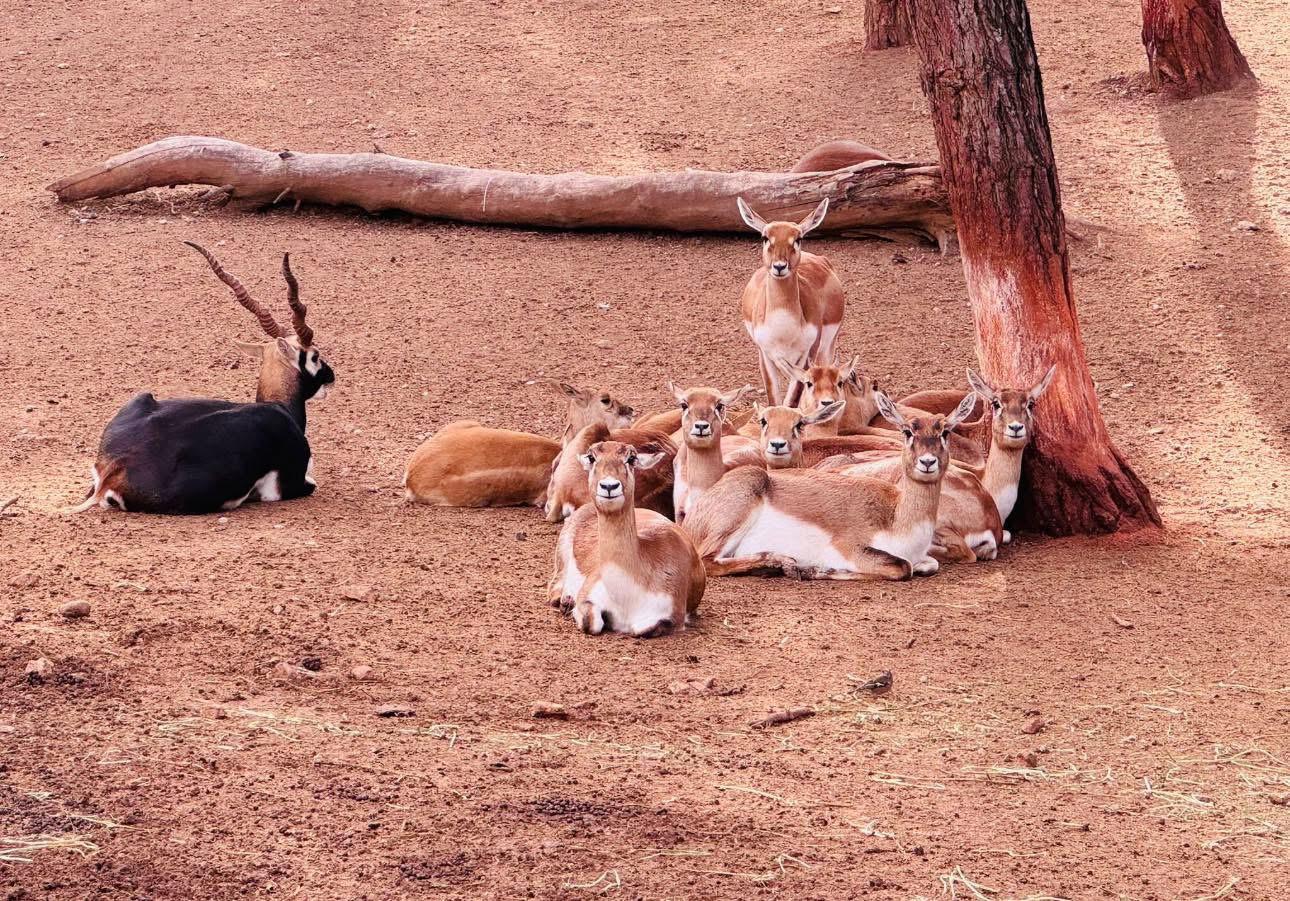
278,608
695,686
361,673
356,592
6,729
1245,225
878,684
1121,622
1034,725
1030,759
521,536
75,609
1279,800
76,677
899,257
313,664
39,669
1225,175
389,710
833,10
549,711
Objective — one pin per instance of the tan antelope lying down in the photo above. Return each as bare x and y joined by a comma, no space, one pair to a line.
466,464
821,525
792,305
568,489
706,452
620,567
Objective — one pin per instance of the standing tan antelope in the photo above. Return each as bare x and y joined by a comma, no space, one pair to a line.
704,455
568,490
466,464
792,306
822,525
620,567
199,455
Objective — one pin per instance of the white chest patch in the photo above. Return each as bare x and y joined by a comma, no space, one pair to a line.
912,545
776,532
783,337
1005,500
267,488
631,606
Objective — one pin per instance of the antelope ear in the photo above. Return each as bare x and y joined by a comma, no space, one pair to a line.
888,409
751,219
790,371
566,388
250,348
964,410
758,410
288,351
811,222
1043,383
678,393
824,414
851,373
648,461
737,395
980,385
587,461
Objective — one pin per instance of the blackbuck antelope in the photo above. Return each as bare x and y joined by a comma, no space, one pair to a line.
822,525
466,464
1012,427
828,382
568,490
833,155
792,306
199,455
705,452
782,429
620,567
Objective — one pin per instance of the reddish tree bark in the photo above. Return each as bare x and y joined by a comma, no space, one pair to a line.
1189,49
981,78
887,24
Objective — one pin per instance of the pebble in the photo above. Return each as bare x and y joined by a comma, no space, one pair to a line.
75,609
1034,725
395,710
356,592
361,673
550,711
1246,225
39,669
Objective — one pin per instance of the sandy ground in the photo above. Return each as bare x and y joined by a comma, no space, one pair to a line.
167,748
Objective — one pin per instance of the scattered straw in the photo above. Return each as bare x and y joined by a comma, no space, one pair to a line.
956,880
21,849
771,875
606,882
1225,892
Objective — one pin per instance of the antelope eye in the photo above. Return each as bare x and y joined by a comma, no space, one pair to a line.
721,407
996,404
684,405
810,384
763,422
841,382
631,461
797,429
1030,405
797,242
909,433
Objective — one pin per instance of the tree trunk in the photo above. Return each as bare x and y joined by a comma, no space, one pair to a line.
881,198
1189,49
887,24
981,78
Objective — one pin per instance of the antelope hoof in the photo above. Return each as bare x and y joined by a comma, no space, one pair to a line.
589,619
926,567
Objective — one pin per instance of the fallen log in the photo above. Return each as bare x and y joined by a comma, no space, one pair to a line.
876,198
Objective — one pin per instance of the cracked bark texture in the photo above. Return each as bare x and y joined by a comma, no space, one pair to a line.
887,24
982,81
1190,52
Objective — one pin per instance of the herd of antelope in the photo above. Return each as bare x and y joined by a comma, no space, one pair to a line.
830,479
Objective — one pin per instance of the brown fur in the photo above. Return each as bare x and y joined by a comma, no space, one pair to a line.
702,459
568,485
466,464
617,546
833,155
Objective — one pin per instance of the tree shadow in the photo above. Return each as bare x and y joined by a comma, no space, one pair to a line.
1213,145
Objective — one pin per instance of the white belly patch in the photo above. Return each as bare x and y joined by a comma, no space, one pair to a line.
912,545
776,532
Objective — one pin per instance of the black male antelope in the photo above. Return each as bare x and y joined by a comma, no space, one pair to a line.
620,567
467,464
198,455
822,525
792,306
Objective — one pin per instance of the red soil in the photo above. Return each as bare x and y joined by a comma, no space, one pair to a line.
167,738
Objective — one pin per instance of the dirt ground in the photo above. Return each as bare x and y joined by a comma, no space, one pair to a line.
167,756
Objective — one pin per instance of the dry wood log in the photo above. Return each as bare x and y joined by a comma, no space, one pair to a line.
882,198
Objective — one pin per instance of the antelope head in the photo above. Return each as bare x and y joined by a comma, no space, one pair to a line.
611,473
781,242
781,431
592,406
704,411
290,364
927,438
1012,409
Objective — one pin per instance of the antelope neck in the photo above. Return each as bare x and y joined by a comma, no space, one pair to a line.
1002,471
281,385
918,504
704,466
784,295
617,539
